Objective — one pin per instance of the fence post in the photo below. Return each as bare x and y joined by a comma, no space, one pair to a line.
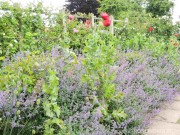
64,21
92,21
112,25
64,25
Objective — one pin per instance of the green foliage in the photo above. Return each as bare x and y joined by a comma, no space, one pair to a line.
157,46
159,8
135,18
50,104
19,28
119,115
23,29
118,7
27,73
99,57
74,40
19,74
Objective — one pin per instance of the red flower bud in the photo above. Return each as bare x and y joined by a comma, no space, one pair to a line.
105,16
175,44
151,29
176,34
107,23
71,17
88,23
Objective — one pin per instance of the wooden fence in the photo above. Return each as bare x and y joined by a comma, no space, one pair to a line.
93,22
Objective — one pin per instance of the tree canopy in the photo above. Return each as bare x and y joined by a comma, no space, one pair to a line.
83,6
159,7
118,7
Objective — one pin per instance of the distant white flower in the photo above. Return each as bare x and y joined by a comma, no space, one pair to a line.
126,20
11,45
15,41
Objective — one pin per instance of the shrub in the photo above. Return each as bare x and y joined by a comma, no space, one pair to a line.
50,86
146,83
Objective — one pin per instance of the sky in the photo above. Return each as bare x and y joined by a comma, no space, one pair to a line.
48,3
59,4
176,11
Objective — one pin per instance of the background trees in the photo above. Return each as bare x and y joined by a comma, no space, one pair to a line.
83,6
159,7
117,7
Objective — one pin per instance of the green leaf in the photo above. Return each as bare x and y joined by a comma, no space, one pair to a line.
118,115
2,58
104,112
56,109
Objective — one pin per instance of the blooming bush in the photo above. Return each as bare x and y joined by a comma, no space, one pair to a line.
27,86
142,82
146,82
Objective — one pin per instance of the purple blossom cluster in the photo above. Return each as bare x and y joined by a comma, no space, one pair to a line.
145,81
21,109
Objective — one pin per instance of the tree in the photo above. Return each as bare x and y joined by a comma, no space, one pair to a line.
83,6
159,7
119,7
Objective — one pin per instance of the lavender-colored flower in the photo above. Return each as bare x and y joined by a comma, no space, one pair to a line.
145,82
14,124
3,99
97,114
7,113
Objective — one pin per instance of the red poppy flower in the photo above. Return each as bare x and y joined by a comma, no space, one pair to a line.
175,44
176,34
151,29
105,16
88,23
107,23
71,17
